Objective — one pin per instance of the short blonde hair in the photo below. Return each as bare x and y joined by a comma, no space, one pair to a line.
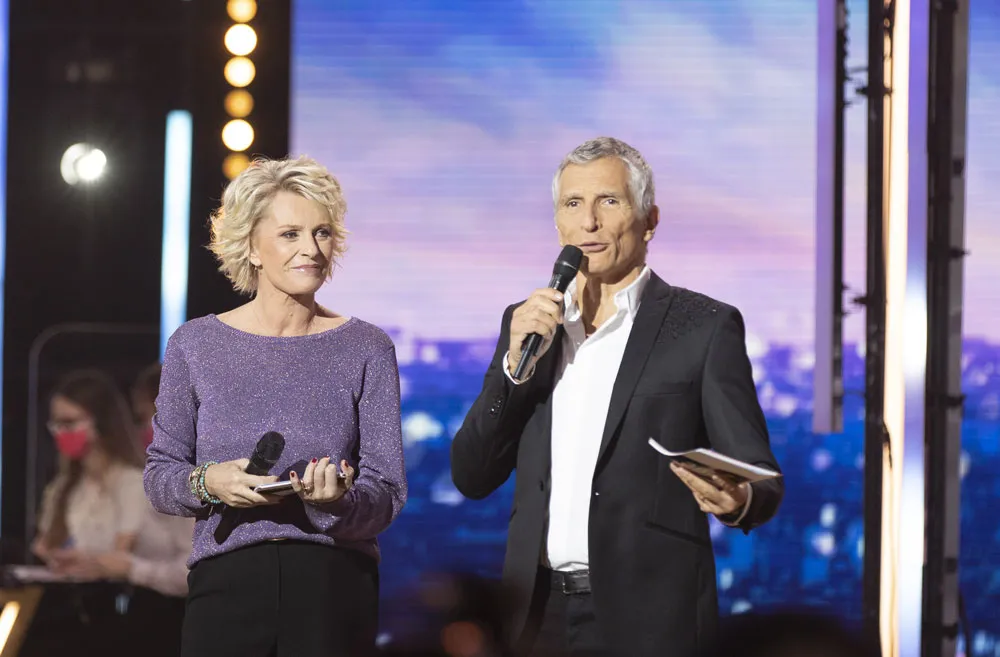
248,197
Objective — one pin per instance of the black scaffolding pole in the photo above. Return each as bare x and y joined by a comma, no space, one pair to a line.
828,373
947,84
880,17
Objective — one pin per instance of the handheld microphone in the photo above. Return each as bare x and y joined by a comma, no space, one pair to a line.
265,456
567,264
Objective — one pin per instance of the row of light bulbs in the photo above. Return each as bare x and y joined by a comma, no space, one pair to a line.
240,41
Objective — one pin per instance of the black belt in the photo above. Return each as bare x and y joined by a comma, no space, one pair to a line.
570,583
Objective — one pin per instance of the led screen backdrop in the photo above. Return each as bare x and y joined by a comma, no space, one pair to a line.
980,549
445,121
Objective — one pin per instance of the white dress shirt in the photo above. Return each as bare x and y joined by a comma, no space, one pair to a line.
585,377
584,380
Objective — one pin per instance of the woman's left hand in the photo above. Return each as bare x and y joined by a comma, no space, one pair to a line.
321,483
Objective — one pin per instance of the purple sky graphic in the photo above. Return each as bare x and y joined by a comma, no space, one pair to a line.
445,125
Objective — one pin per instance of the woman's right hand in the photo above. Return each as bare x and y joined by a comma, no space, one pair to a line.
230,483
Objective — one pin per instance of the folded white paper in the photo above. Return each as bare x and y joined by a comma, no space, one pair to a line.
707,462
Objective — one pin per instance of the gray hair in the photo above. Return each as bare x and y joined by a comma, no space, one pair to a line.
640,175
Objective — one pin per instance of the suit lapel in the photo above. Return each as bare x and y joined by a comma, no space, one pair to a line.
656,300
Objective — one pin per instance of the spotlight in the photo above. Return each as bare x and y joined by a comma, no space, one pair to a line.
234,164
240,71
237,135
239,103
240,39
241,11
82,163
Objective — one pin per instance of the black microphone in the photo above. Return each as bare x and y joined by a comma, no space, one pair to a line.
567,264
264,457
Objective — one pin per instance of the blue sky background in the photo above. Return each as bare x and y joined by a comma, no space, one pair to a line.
445,121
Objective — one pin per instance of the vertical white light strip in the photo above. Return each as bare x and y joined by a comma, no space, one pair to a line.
896,201
906,348
4,41
912,21
176,224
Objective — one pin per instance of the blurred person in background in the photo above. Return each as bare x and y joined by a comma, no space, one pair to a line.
297,575
95,522
455,614
144,391
609,546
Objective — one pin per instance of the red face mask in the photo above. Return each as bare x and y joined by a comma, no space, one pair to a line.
147,436
74,445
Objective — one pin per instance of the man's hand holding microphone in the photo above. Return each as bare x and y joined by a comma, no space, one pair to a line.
534,322
541,314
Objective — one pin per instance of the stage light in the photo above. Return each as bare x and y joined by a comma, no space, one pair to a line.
240,71
176,224
82,163
234,164
90,167
240,39
4,93
905,392
241,11
237,135
239,103
8,618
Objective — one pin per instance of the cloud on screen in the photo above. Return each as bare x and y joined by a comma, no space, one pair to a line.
982,267
445,127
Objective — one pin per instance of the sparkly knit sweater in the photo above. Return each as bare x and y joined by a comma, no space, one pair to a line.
334,393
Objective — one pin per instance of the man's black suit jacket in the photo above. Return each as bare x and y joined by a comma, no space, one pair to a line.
685,379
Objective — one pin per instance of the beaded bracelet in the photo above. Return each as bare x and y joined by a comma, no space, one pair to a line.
197,484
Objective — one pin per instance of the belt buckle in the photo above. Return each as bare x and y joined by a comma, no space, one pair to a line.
571,578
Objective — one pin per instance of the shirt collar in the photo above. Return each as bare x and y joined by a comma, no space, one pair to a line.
626,299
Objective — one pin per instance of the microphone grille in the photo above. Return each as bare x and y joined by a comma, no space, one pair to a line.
270,446
568,262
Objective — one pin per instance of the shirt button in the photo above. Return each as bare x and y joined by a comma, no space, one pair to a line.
541,485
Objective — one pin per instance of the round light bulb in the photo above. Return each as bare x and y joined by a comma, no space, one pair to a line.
241,11
240,71
239,103
90,167
237,135
234,164
240,39
82,163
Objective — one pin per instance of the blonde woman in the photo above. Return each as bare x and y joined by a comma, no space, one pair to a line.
298,575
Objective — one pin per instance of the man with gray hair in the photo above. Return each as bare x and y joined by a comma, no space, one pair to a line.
608,547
